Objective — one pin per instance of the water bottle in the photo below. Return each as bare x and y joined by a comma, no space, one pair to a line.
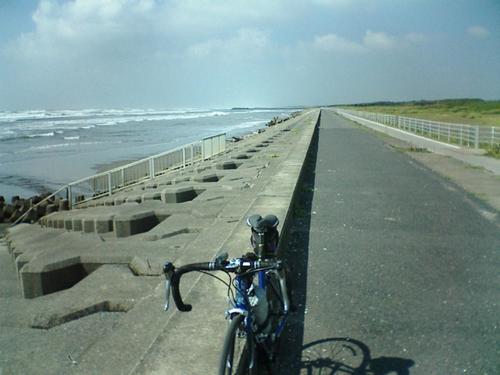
258,301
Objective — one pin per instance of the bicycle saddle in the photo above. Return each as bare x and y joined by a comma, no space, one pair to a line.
260,224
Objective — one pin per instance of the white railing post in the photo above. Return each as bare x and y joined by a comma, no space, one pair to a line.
151,168
123,177
110,189
183,157
70,197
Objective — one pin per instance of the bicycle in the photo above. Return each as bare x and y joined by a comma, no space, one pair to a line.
257,310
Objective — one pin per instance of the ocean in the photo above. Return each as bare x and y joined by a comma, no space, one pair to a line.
42,150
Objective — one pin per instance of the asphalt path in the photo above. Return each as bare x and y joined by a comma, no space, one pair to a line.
396,270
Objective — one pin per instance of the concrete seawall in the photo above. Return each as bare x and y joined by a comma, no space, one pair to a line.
103,262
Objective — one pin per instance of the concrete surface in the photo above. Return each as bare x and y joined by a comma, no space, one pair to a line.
397,267
98,268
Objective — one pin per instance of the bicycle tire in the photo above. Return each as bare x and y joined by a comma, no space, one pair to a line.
236,351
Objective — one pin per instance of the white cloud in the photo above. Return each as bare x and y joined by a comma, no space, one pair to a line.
478,32
84,27
380,40
333,42
246,43
371,41
103,28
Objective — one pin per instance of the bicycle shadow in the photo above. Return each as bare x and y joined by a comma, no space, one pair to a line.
344,355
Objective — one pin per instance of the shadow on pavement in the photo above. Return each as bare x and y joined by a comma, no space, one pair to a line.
296,254
344,355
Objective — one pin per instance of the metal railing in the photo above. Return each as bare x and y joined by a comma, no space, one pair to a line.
106,183
113,180
464,135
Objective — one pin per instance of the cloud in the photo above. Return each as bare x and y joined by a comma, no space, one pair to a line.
478,32
380,40
246,43
333,42
371,41
118,29
85,27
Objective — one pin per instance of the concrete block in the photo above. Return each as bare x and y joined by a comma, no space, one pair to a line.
49,219
241,156
60,223
21,260
203,168
134,199
68,223
109,201
31,283
156,195
88,224
77,224
63,205
179,194
50,208
211,177
104,223
180,180
119,200
52,277
133,223
228,165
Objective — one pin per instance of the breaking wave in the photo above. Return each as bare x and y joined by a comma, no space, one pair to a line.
31,123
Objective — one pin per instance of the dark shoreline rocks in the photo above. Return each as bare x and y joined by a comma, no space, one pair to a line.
13,211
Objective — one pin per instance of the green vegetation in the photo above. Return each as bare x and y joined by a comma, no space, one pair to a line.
493,150
462,111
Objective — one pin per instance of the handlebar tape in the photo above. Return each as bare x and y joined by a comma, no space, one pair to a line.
176,278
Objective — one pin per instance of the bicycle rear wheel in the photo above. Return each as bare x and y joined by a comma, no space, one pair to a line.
238,350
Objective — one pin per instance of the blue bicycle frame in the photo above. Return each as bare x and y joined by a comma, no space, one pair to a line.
242,304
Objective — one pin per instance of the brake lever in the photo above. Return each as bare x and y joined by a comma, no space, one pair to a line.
221,258
168,270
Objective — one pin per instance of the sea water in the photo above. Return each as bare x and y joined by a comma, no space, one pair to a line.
42,150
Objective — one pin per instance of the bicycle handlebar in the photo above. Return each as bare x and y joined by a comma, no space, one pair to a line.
176,278
237,265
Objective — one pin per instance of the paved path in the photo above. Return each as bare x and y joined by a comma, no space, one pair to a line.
467,155
396,269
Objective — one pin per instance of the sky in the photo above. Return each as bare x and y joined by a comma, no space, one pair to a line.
62,54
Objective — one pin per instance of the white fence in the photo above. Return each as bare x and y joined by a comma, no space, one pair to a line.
464,135
106,183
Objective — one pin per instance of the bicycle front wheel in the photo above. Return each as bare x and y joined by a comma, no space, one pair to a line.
238,352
